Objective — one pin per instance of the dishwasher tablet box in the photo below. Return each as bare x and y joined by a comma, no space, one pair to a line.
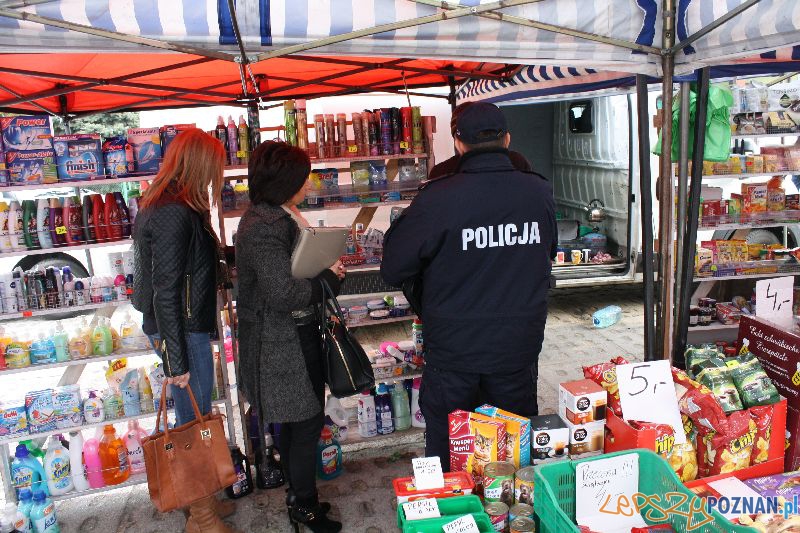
78,157
13,421
146,146
168,134
26,133
67,406
116,153
31,167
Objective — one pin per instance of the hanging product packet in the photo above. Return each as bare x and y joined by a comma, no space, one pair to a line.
115,373
730,451
715,374
697,402
762,416
605,375
754,386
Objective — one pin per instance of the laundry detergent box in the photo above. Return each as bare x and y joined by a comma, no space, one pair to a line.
78,157
475,441
168,134
31,167
582,401
146,146
67,406
26,133
549,439
40,411
13,421
118,157
518,434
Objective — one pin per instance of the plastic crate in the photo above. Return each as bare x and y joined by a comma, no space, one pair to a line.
458,506
554,495
435,525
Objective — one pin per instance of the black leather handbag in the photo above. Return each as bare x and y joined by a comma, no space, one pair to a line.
345,364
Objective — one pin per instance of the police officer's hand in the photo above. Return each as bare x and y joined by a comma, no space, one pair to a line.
338,269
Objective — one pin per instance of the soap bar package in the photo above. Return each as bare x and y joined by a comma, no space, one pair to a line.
78,157
146,145
13,421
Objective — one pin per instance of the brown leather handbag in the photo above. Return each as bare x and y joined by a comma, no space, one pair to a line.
187,463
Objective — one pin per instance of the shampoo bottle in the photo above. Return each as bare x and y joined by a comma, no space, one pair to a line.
16,231
124,215
99,215
77,467
29,225
5,238
73,217
113,218
66,207
57,228
233,141
87,214
43,223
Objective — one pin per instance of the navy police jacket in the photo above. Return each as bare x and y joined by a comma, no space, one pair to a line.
481,240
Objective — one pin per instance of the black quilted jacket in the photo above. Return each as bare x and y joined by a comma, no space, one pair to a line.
175,276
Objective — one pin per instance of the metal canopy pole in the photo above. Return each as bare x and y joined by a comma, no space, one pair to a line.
646,202
687,254
683,186
666,197
18,95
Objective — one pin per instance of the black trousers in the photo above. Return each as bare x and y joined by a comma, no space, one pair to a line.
443,391
298,440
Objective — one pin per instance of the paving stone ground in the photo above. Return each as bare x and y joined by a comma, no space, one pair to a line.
362,497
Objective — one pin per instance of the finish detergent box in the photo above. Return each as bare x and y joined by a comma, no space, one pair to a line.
117,153
40,411
168,134
146,145
31,167
518,434
78,157
13,421
26,132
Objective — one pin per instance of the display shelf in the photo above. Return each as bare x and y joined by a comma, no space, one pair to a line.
82,184
371,322
763,135
75,362
35,313
747,176
123,420
753,221
395,379
716,326
369,267
332,161
333,206
139,479
356,442
74,248
749,276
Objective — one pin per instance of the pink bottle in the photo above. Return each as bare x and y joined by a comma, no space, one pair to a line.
94,468
133,442
120,287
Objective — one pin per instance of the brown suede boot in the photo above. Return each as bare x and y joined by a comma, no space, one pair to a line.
224,507
203,518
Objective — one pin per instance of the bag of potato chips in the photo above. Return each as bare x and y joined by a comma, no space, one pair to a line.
762,415
698,403
731,451
605,375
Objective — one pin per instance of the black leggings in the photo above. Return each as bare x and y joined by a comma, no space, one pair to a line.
298,440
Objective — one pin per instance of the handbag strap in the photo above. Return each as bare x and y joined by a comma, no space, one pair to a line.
330,301
162,414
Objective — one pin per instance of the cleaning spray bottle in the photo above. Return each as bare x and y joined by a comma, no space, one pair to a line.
233,141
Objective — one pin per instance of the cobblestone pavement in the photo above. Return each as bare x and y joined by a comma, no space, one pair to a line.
362,497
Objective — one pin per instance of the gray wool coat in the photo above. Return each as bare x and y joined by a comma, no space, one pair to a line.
271,360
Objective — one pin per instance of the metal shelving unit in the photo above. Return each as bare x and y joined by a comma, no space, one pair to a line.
371,322
764,135
78,362
748,176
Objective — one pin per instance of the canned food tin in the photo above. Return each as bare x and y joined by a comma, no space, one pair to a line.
498,515
523,525
523,485
520,510
577,257
498,482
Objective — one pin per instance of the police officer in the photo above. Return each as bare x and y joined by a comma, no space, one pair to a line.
479,242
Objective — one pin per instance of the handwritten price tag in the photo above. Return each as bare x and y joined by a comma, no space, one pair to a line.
647,393
353,149
774,300
465,524
427,473
417,510
61,230
404,145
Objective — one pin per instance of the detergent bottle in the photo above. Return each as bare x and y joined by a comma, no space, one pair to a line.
400,408
22,522
329,456
56,223
27,471
133,443
336,418
102,342
77,468
367,423
60,343
16,231
417,418
94,466
383,410
29,225
113,457
25,502
57,468
43,514
43,223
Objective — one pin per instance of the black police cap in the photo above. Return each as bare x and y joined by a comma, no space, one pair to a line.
480,122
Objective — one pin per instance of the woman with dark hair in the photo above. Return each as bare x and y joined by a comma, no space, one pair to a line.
280,344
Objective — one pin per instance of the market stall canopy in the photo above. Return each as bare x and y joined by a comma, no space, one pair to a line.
161,53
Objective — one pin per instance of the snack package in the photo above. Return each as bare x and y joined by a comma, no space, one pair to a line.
360,174
683,460
718,376
786,484
753,384
665,436
605,375
762,415
377,175
730,451
475,441
698,403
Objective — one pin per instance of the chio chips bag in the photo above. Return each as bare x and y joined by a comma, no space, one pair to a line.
731,451
762,416
697,402
605,375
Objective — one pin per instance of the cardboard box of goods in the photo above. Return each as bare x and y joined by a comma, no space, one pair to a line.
582,401
755,197
518,434
549,439
586,439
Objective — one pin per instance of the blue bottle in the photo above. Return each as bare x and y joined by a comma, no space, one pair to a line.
228,197
329,456
43,514
383,410
26,471
607,316
25,502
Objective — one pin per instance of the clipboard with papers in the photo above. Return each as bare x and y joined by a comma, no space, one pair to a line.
317,249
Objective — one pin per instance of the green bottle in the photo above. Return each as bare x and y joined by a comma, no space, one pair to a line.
29,225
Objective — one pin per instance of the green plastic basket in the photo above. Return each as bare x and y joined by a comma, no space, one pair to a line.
454,507
435,525
554,496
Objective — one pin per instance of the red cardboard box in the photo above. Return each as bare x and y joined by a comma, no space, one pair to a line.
793,440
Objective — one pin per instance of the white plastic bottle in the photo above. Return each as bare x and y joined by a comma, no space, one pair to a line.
5,242
43,223
336,418
417,418
77,468
15,233
57,468
19,521
367,422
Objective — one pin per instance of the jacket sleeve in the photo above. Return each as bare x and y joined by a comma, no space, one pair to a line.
410,243
171,239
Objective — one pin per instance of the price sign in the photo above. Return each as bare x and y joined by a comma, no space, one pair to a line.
465,524
605,492
353,149
27,314
404,145
428,473
647,393
61,230
417,510
774,300
241,154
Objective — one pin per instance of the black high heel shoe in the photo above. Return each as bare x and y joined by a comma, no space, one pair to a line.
291,501
314,518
